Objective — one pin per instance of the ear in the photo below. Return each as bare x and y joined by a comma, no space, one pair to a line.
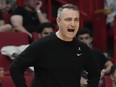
58,20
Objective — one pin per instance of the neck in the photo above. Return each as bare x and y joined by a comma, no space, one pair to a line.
62,37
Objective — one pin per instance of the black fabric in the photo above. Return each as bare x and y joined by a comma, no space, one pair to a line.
57,63
100,58
30,19
1,16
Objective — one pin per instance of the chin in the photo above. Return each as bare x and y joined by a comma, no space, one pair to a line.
70,37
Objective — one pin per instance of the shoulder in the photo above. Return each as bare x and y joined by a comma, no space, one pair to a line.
18,10
82,45
96,51
99,54
46,40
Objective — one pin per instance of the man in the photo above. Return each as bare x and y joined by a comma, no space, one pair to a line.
113,75
58,59
28,18
84,35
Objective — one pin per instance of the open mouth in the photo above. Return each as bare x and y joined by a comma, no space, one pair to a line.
71,30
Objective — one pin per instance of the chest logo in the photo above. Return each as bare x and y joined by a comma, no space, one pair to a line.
79,51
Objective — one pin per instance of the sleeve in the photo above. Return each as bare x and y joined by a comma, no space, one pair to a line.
93,70
29,57
18,11
104,59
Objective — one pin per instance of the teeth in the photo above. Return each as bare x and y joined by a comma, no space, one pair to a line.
71,30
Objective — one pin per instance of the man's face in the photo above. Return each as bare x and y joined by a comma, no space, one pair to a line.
46,31
85,38
68,23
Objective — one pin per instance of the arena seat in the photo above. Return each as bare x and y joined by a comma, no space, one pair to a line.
107,82
5,62
7,81
11,38
35,36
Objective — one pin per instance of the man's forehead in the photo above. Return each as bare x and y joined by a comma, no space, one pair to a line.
68,9
70,13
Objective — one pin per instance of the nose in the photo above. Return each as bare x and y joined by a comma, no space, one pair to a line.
72,23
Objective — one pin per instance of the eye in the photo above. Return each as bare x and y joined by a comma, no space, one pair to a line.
68,19
76,19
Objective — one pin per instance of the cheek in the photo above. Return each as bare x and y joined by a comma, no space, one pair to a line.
63,25
77,25
77,28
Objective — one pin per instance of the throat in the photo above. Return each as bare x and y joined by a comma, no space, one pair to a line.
63,37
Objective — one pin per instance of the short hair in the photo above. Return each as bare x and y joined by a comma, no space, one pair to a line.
69,6
113,68
45,25
82,31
